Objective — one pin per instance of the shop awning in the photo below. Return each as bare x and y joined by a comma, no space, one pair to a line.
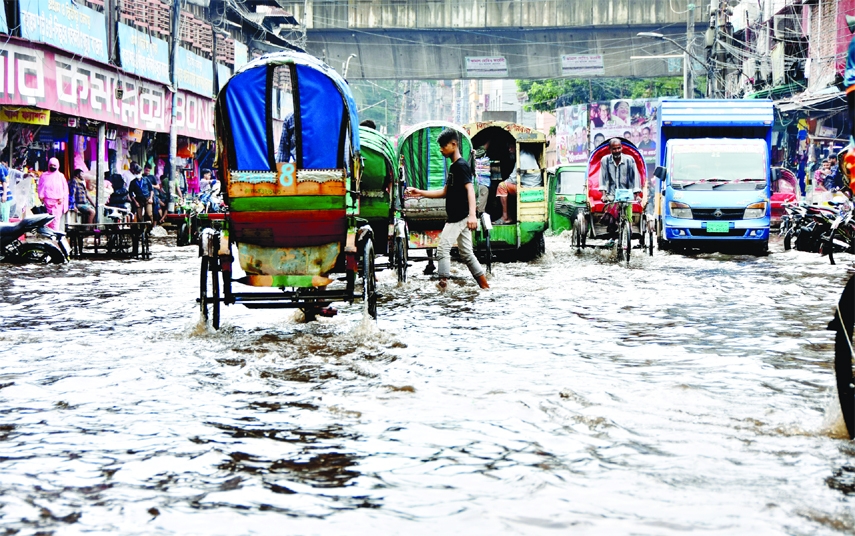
818,102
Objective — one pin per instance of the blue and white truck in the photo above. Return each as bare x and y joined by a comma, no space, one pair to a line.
713,173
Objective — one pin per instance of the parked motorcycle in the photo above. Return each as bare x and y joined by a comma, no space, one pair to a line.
803,227
50,247
840,237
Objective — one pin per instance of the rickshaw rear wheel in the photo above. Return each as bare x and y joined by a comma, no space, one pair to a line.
369,283
203,289
650,235
215,293
401,259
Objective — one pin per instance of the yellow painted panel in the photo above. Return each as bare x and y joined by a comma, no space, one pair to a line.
285,182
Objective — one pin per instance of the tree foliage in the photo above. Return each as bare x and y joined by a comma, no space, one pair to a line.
547,95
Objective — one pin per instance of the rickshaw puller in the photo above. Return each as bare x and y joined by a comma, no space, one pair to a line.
616,173
459,194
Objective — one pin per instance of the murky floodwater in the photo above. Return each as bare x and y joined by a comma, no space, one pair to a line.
684,393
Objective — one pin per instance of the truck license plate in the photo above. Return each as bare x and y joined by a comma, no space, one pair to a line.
718,227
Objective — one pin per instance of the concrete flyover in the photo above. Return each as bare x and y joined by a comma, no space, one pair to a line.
431,39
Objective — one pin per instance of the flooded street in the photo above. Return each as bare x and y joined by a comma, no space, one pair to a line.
684,393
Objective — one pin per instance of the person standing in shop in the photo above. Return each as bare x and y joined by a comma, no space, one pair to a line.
53,191
5,194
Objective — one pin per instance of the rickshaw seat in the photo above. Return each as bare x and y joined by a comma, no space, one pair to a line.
425,209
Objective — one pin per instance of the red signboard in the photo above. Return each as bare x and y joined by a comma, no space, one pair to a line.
194,116
33,75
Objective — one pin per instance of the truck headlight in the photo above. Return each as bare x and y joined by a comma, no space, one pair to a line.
680,210
755,211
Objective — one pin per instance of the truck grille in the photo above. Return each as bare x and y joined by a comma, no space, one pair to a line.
710,213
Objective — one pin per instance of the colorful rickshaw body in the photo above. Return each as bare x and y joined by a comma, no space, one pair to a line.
424,167
379,175
528,208
785,190
292,215
568,195
595,196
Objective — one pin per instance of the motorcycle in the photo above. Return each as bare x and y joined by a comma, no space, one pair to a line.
803,227
841,235
53,248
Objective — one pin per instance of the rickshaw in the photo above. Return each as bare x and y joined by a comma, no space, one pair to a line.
568,201
600,215
424,167
518,156
292,216
378,197
785,190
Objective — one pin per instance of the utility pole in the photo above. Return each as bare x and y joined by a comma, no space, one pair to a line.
173,80
688,74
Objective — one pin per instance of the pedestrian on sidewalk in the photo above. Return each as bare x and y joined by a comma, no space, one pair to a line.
53,191
459,194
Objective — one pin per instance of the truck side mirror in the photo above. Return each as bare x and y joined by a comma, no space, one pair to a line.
659,173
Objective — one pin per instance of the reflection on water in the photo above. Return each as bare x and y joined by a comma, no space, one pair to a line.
682,393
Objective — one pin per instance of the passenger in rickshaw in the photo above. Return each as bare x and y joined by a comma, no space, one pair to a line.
459,194
482,175
530,178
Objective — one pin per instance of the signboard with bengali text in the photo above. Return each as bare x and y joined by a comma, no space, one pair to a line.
31,76
582,65
486,67
73,27
143,55
194,73
23,114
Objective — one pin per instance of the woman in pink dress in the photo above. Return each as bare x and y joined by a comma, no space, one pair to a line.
53,191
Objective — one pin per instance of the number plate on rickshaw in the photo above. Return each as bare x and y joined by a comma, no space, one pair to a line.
718,227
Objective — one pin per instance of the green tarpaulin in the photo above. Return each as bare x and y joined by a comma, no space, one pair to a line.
378,156
424,166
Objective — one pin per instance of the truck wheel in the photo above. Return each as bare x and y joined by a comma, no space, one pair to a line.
762,249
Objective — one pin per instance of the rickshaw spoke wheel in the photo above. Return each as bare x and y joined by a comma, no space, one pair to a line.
203,289
401,259
215,293
369,283
625,242
650,242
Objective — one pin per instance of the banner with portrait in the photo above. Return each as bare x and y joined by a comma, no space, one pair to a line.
633,119
571,134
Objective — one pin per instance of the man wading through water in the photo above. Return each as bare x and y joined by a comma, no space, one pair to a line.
459,197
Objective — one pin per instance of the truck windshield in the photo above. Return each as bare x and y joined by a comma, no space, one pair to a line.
719,163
